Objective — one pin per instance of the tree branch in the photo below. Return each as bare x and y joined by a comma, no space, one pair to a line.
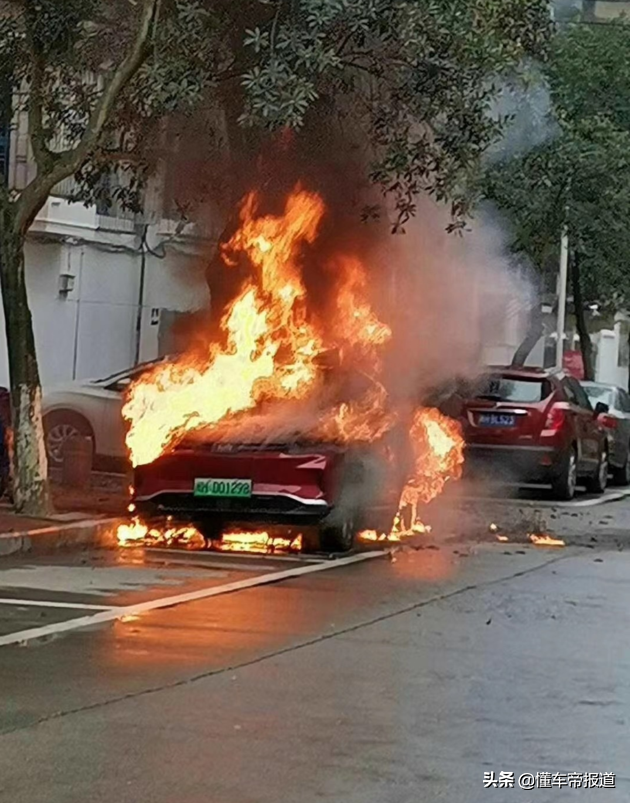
35,100
68,162
118,81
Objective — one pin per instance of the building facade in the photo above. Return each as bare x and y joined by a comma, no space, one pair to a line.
605,10
105,286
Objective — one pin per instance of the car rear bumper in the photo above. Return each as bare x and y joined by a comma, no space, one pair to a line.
257,509
514,463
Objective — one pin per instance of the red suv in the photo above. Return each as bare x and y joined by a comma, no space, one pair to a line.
535,425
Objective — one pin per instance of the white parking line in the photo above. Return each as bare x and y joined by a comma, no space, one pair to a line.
24,636
600,500
38,603
612,496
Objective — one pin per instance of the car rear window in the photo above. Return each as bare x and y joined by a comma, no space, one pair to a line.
596,393
509,389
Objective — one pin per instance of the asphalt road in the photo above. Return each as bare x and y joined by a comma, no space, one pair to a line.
389,679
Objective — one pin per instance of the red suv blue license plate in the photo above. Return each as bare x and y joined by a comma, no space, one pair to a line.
496,420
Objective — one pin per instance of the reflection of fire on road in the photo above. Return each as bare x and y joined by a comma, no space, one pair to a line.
270,354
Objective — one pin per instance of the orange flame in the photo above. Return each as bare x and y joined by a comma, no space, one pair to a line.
261,542
546,540
138,534
438,458
270,345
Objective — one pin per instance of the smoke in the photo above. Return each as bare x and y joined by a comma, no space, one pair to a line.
525,106
451,300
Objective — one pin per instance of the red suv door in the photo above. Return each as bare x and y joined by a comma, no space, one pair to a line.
587,430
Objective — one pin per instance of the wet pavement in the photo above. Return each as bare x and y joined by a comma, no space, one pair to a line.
391,679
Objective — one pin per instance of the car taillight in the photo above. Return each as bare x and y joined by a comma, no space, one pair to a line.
608,421
555,419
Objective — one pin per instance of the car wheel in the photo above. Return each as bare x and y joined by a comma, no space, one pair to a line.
211,530
338,538
621,474
598,482
565,484
59,427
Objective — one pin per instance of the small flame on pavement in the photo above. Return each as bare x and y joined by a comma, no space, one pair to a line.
396,535
546,540
494,529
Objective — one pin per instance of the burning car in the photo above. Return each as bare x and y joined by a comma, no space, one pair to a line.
306,481
289,418
214,486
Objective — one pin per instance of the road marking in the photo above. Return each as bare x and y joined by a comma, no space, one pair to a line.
55,528
24,636
202,564
233,560
514,500
600,500
39,603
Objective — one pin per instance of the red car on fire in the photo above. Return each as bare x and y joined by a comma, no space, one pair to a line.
535,425
244,478
214,485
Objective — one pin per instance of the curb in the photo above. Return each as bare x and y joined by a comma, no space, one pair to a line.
80,534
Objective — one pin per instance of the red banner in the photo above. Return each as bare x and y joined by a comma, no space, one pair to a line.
574,364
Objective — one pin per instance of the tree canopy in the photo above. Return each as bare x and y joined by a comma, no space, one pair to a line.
579,177
416,80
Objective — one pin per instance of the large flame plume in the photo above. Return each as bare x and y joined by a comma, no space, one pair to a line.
270,353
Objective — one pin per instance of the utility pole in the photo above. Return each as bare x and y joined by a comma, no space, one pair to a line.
140,306
562,297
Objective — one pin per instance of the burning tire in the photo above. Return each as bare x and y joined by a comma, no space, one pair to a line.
338,538
212,531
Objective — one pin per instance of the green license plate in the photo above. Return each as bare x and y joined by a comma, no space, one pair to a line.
215,487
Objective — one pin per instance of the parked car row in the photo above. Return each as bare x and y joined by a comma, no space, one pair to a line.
543,426
521,425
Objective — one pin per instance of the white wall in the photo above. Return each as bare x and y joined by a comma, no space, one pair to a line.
91,331
608,368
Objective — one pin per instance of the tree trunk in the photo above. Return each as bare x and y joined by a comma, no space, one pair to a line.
30,469
586,345
533,335
535,329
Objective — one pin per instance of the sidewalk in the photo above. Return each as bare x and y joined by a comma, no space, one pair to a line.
108,495
83,518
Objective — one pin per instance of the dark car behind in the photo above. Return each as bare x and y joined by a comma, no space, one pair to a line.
616,422
537,426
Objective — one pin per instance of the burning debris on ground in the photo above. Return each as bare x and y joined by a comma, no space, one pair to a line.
544,539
